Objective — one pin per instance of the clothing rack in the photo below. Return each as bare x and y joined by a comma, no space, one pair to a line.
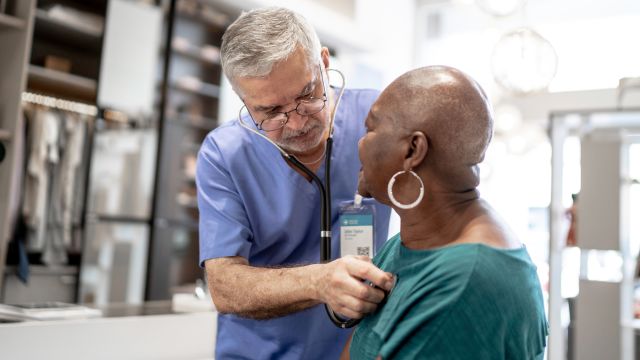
88,113
59,104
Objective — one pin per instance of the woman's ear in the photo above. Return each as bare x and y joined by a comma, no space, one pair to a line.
417,151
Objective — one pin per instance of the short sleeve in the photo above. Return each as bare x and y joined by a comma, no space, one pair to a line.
224,226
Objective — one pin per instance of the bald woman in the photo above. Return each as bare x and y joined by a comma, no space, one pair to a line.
466,287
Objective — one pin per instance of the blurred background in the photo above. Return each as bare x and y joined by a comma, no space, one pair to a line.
104,104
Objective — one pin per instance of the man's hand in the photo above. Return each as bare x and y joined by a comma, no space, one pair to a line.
340,284
263,293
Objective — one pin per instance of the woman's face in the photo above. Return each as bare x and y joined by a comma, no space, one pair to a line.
379,157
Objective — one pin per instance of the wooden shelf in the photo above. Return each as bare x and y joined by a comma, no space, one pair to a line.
194,121
187,201
195,86
5,135
192,148
11,22
205,15
189,179
62,84
208,54
76,36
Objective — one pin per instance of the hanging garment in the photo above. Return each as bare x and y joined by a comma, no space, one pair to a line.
43,152
60,224
54,183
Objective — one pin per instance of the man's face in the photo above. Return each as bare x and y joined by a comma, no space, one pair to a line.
290,81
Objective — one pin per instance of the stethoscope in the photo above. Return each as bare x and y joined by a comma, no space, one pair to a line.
325,193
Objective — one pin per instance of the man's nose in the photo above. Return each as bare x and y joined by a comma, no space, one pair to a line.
296,121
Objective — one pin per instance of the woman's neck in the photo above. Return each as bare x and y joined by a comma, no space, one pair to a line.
440,220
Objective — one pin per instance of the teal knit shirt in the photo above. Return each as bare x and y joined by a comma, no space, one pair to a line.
465,301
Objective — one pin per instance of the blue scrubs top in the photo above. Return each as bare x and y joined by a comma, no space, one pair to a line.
253,204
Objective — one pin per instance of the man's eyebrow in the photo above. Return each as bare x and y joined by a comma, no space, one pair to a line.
305,90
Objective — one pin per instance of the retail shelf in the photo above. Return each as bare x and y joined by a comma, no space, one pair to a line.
203,13
191,147
5,135
62,84
187,201
11,22
78,36
174,223
195,86
207,54
194,121
189,179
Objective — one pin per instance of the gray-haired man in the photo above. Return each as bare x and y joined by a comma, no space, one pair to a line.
259,216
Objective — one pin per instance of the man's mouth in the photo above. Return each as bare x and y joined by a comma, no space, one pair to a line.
299,135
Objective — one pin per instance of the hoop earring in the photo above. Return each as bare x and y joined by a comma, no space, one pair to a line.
396,202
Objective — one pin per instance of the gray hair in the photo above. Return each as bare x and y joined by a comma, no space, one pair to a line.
260,38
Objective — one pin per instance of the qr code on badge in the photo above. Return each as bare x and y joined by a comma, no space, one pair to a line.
363,250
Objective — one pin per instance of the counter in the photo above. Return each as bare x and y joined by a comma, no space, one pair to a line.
149,331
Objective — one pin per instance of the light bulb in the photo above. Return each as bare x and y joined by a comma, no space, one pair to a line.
523,61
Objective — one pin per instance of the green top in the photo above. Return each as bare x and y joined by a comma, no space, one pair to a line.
465,301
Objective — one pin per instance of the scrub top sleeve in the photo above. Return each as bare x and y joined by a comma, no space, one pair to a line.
224,226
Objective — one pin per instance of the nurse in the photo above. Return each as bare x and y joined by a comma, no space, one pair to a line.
260,217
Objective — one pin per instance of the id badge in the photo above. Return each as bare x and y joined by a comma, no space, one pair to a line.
357,229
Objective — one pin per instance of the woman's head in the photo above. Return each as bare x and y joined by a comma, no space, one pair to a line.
433,120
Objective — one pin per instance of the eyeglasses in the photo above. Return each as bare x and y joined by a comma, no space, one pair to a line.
309,106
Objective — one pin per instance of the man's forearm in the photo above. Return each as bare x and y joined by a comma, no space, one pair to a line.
260,293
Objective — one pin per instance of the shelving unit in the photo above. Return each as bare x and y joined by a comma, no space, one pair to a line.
52,28
5,135
76,46
15,40
190,111
204,13
55,58
65,85
605,223
208,55
8,22
195,121
193,85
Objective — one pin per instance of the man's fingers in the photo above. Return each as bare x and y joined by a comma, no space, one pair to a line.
368,271
354,308
363,258
362,291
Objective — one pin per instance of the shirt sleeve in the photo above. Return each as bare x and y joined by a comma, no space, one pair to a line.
224,226
425,322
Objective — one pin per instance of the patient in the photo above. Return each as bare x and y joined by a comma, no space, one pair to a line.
466,287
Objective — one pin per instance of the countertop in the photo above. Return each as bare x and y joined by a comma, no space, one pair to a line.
148,331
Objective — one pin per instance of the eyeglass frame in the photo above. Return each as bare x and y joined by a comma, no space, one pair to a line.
324,99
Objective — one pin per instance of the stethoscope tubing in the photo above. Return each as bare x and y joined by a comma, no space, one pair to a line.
325,195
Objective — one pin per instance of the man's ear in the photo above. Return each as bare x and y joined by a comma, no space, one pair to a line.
324,55
417,150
